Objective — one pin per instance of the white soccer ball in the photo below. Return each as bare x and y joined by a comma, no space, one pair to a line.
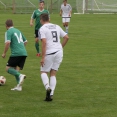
2,80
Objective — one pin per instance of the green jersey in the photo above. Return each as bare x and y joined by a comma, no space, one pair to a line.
36,15
17,40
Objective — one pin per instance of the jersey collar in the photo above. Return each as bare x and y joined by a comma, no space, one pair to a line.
11,27
41,10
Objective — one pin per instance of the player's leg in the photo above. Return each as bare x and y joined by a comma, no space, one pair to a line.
45,79
56,64
18,88
67,20
21,77
17,77
11,65
11,69
20,64
63,21
37,43
53,82
66,26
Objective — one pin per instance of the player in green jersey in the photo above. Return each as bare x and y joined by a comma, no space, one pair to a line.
36,16
16,41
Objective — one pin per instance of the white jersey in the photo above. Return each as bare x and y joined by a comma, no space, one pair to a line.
66,10
52,33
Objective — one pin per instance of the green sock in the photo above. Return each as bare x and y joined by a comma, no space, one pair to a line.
37,46
14,72
17,79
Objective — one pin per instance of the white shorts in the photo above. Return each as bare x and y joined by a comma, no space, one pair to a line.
65,20
52,61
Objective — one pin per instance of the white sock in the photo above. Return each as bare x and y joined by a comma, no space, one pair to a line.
52,84
45,80
67,27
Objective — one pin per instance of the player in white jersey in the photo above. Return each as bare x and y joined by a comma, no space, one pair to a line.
52,53
65,12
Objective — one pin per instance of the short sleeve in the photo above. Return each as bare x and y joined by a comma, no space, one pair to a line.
24,39
42,33
62,33
70,8
33,15
48,12
7,36
61,7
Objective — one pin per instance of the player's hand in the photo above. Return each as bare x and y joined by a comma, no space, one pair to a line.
60,14
42,62
3,55
31,24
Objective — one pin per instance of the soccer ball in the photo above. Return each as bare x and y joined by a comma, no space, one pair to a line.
2,80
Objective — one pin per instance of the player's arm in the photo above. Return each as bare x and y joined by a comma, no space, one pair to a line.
31,22
43,51
32,19
61,12
7,44
43,40
70,11
65,40
24,40
65,37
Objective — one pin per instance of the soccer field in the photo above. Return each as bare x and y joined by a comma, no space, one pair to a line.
86,80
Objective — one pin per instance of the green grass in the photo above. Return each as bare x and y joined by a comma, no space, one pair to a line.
86,80
93,6
54,9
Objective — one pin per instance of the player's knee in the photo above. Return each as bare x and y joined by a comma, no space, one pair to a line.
66,24
53,72
36,40
7,68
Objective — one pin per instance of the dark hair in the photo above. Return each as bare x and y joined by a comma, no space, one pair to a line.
41,1
44,17
9,23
